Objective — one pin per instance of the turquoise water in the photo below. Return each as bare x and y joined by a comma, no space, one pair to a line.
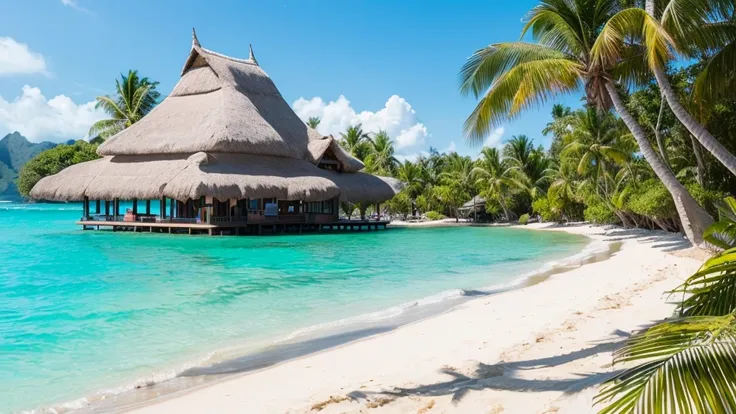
89,311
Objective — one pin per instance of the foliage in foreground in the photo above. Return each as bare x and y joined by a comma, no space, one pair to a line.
687,364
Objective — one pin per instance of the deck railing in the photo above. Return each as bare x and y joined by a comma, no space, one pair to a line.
229,219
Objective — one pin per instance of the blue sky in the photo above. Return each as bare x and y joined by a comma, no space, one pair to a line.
365,51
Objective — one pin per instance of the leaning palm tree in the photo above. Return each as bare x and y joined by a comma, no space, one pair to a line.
686,25
135,98
313,122
355,141
568,56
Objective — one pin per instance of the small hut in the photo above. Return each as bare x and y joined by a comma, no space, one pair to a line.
222,151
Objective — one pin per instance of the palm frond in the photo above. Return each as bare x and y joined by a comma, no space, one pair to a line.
635,23
688,365
486,65
524,86
712,289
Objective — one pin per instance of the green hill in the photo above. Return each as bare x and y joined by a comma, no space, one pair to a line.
15,151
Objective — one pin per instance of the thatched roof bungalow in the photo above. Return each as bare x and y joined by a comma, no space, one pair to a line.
224,143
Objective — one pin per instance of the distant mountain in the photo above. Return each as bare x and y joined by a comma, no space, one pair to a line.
15,151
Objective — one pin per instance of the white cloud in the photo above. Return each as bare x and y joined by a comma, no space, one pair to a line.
451,148
18,58
57,119
397,117
74,5
494,139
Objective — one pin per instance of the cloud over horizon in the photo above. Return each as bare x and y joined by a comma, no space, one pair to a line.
39,119
397,118
17,59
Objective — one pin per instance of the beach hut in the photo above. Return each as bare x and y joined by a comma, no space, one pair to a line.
222,152
475,207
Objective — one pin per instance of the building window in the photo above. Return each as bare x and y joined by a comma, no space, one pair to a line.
253,204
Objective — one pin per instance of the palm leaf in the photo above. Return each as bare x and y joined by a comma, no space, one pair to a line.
635,23
486,65
712,289
526,85
688,366
721,234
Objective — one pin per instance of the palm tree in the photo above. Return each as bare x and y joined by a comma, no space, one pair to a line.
135,98
558,127
355,141
687,21
313,122
493,176
381,154
460,173
530,165
569,56
410,176
593,140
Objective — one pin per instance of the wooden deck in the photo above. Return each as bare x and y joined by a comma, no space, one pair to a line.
238,228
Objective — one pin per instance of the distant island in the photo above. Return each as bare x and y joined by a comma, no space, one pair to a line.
15,152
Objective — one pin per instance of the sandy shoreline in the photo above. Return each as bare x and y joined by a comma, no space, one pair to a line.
535,349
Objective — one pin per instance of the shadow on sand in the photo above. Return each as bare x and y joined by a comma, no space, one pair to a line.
281,352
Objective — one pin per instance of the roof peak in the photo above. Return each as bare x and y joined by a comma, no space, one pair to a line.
251,56
195,41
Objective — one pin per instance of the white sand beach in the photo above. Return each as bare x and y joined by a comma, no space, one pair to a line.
538,349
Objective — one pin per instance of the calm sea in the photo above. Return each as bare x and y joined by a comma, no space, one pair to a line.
94,313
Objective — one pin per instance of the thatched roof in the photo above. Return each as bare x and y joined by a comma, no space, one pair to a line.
221,104
318,147
223,176
224,131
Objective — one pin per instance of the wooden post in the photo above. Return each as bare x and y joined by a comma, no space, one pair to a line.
162,207
107,208
378,211
115,208
85,208
97,207
135,206
148,207
171,207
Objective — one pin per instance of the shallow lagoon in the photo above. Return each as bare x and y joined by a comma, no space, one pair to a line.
89,311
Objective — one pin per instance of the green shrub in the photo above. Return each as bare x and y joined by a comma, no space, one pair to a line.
599,213
524,219
433,216
543,208
708,199
651,199
52,161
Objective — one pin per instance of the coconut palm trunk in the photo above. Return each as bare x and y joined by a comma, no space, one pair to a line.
697,129
693,217
699,163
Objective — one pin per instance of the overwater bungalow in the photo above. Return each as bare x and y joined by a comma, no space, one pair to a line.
222,154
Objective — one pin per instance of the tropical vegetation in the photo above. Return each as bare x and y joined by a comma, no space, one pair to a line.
135,97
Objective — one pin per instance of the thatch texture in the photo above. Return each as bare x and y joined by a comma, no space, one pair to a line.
223,176
226,132
318,147
122,176
240,176
220,104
